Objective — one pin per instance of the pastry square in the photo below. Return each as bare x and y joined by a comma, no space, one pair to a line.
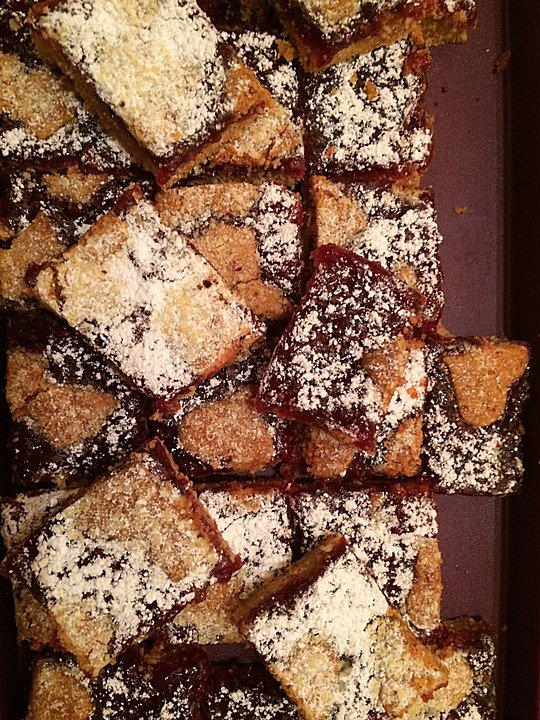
396,227
327,633
123,558
366,120
334,366
393,530
194,84
20,517
251,234
42,214
141,295
330,456
472,425
254,521
326,32
59,690
271,143
72,415
243,692
219,429
42,123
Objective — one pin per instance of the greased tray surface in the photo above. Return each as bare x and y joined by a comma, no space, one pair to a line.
468,172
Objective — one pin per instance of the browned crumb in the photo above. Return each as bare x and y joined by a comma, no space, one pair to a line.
423,602
403,447
74,185
482,376
371,91
326,455
501,62
461,209
285,49
58,694
338,218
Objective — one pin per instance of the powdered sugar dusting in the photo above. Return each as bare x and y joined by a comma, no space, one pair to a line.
351,130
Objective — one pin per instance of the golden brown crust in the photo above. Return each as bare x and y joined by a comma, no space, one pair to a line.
58,693
423,602
483,375
327,455
337,217
231,432
73,185
402,449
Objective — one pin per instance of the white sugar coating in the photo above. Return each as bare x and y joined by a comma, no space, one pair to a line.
331,16
385,532
408,399
109,581
252,702
355,131
256,527
142,54
339,609
279,241
477,460
460,5
400,231
141,294
26,513
259,51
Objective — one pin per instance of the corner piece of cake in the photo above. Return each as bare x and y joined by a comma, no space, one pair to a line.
334,366
327,32
366,118
148,301
328,634
158,74
124,557
477,388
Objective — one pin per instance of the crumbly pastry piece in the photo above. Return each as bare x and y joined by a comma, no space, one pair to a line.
219,429
141,295
366,119
72,415
334,365
42,123
393,530
251,234
59,691
242,692
194,83
476,391
20,517
330,456
254,522
327,32
395,227
271,141
327,633
44,213
124,557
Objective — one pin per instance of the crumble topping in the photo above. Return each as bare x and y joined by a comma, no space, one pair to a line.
164,55
348,131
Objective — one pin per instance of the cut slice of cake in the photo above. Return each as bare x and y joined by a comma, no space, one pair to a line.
366,119
328,634
123,558
335,364
141,295
327,32
477,388
158,74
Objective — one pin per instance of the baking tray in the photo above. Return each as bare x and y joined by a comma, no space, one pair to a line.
485,172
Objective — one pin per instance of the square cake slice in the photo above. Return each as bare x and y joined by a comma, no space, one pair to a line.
365,119
327,32
477,388
218,429
72,415
157,73
393,530
251,234
396,227
143,297
254,521
327,633
334,366
123,558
